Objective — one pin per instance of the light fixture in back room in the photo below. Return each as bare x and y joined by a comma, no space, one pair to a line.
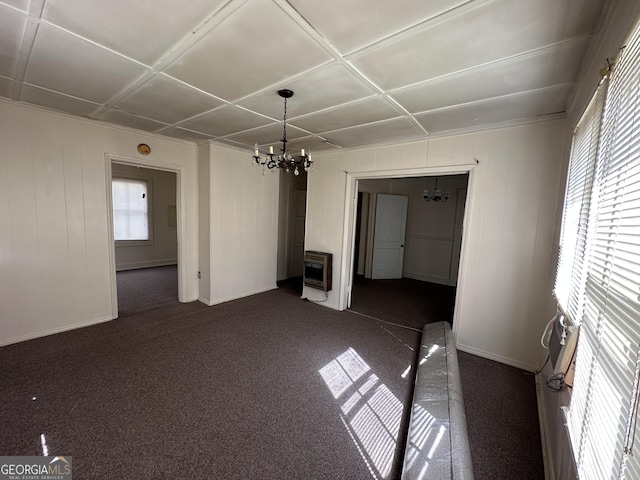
435,195
284,160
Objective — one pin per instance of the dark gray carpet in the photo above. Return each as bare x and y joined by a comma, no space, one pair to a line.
146,288
502,420
242,390
405,301
500,401
233,391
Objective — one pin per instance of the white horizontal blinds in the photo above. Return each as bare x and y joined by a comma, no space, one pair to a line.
623,215
570,277
589,128
130,209
602,413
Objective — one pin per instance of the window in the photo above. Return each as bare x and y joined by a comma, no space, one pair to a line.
131,210
571,275
598,278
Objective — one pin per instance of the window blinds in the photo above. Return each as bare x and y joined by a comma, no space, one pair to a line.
603,410
571,274
130,209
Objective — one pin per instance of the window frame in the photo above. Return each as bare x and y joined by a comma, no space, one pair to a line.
148,179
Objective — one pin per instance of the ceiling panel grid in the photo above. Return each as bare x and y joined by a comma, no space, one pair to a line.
363,72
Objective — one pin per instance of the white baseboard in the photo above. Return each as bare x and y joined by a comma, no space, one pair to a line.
217,301
146,264
549,474
53,331
426,278
496,358
206,301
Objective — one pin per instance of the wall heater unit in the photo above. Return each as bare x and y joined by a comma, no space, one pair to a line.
562,344
317,270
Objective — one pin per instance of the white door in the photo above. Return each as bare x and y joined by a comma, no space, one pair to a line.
388,237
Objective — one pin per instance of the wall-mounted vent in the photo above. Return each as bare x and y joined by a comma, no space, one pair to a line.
317,270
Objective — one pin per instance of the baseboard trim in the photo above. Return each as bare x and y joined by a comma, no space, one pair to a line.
496,358
206,301
549,473
218,301
146,264
53,331
427,278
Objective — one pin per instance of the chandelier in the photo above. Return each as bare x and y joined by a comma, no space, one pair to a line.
435,195
284,160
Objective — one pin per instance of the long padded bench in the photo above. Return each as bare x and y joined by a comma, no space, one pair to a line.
437,444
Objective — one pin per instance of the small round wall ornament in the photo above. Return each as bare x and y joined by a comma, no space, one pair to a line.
144,149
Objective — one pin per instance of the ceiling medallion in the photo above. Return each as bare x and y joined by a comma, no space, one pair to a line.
284,160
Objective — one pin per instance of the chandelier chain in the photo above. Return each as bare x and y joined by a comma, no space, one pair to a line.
284,128
284,161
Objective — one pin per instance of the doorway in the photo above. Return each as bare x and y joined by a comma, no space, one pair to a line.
291,231
145,235
424,291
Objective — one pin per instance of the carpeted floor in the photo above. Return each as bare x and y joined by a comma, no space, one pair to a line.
406,301
502,420
265,387
146,288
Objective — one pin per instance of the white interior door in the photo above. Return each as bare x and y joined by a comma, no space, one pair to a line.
388,237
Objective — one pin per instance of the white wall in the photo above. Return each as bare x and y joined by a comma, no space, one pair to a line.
239,220
54,249
204,223
507,266
164,248
432,248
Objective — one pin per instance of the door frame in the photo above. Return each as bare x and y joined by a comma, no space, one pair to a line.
349,226
179,170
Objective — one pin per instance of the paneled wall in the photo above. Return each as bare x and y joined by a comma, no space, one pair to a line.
163,249
55,269
432,251
508,250
238,225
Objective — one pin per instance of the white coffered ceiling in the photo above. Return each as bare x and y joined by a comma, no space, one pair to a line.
363,72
